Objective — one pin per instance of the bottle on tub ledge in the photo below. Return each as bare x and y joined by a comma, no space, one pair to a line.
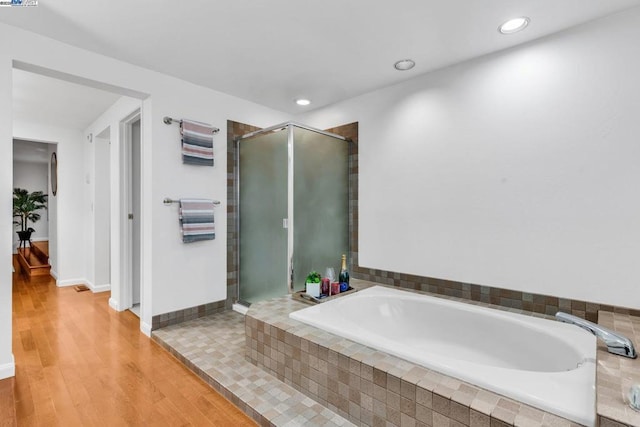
343,277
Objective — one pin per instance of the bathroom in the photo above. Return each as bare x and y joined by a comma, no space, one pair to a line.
536,213
507,179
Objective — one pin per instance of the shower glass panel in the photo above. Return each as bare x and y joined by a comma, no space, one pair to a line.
321,203
293,203
263,206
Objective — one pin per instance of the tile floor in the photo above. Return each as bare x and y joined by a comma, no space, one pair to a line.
214,348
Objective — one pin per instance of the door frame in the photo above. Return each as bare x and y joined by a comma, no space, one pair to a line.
126,231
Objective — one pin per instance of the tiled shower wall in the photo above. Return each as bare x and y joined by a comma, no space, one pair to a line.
234,130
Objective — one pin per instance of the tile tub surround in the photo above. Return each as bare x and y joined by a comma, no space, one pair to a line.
213,348
370,387
163,320
615,374
535,303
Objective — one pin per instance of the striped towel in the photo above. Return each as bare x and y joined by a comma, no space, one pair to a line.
196,220
197,143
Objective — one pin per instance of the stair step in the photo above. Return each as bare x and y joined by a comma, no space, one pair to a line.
40,250
32,264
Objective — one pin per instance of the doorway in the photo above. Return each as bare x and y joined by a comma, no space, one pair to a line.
132,210
31,166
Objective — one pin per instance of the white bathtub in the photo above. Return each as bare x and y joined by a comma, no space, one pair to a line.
543,363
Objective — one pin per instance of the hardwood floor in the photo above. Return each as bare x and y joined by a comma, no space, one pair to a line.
80,363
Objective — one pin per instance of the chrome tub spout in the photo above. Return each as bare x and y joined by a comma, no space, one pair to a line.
616,343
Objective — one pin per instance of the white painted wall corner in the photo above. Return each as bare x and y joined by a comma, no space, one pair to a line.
98,288
145,328
8,370
114,304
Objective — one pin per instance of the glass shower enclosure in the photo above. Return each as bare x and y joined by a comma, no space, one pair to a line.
293,199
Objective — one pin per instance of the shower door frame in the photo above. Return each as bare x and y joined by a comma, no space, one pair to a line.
290,189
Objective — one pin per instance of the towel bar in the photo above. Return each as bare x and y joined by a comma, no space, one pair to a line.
168,201
168,120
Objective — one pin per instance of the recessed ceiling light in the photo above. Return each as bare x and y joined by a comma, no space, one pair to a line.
404,65
302,101
514,25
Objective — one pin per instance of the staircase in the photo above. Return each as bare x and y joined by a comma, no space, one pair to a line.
34,260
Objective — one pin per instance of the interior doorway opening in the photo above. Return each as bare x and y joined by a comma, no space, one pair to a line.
131,209
34,236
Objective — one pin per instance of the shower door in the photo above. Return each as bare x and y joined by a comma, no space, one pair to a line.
293,209
263,240
320,203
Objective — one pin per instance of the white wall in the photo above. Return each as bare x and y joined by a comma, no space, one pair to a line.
7,366
517,170
176,276
108,124
101,210
32,176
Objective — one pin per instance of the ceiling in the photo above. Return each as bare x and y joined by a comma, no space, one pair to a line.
30,151
54,102
272,52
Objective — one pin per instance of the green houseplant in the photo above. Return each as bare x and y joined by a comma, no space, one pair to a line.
312,284
25,207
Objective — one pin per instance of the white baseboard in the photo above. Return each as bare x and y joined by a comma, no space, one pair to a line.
8,370
40,239
145,328
54,274
100,288
113,303
242,309
71,282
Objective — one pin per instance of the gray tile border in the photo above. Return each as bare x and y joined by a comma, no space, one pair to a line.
369,387
213,347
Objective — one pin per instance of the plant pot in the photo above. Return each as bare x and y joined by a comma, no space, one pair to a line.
24,235
313,289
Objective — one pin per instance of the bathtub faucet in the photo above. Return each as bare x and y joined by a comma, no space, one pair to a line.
616,343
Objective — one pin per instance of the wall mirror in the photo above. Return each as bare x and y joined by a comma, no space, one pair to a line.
54,173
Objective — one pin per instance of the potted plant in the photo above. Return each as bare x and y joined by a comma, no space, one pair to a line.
25,207
313,284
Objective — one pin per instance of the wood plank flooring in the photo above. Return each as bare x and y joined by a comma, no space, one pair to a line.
79,363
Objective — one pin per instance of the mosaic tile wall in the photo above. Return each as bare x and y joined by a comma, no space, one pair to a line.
179,316
369,387
213,348
616,374
350,132
535,303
